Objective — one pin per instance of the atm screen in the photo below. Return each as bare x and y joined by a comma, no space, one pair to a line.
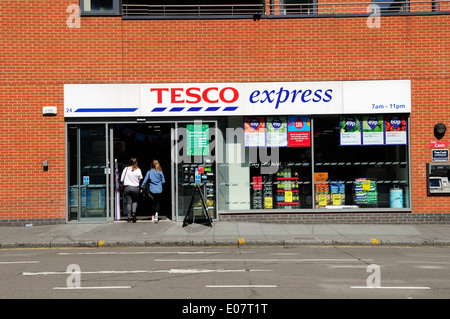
435,183
440,170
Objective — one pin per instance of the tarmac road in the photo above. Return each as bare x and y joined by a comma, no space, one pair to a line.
241,273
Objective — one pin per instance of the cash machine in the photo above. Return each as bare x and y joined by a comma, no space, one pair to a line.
438,175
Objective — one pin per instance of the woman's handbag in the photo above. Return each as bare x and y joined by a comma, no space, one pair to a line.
146,194
121,186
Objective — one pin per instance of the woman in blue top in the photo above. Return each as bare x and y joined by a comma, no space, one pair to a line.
155,178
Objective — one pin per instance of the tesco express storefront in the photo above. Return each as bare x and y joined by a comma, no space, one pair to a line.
265,148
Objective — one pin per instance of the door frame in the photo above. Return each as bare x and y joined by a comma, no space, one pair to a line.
78,182
176,216
110,196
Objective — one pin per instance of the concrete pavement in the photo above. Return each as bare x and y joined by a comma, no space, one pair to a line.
169,233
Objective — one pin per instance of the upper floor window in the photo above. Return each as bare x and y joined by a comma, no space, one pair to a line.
192,8
389,6
298,7
100,7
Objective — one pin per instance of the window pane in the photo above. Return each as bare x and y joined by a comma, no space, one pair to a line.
98,5
392,5
260,177
365,176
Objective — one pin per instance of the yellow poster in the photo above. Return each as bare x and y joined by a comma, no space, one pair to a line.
366,185
268,202
336,199
323,200
288,197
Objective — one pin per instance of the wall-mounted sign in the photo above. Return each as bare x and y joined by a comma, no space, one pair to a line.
244,99
438,144
49,110
439,155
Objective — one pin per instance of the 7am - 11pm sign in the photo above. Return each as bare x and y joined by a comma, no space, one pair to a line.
229,99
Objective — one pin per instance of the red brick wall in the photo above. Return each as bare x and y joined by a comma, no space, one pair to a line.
39,53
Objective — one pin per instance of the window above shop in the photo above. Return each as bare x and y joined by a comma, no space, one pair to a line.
194,8
255,9
386,6
100,7
295,7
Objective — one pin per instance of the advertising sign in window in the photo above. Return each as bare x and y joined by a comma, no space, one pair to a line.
255,131
373,130
299,131
197,139
396,129
350,128
277,131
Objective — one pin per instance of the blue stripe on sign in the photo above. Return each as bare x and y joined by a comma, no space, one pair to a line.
194,109
159,109
231,108
176,109
103,110
212,108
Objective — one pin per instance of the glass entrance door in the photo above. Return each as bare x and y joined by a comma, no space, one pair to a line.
89,169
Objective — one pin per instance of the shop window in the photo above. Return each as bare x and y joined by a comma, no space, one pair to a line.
314,162
100,7
266,164
361,161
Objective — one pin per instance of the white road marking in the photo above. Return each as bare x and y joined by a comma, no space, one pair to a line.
366,287
430,267
241,286
265,260
143,253
170,271
19,262
105,287
346,266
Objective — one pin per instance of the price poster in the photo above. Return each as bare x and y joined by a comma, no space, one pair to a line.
299,131
276,131
373,130
254,131
396,128
350,130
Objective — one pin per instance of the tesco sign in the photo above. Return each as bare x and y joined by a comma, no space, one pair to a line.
237,98
212,95
195,95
